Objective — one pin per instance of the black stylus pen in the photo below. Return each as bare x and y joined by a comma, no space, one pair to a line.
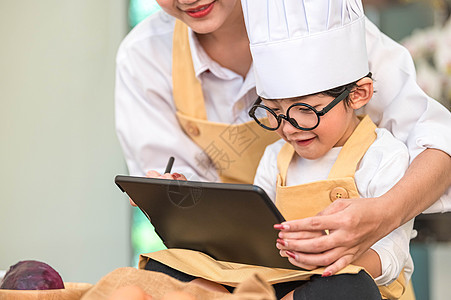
169,165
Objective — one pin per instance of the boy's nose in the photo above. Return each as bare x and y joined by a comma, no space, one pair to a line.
288,128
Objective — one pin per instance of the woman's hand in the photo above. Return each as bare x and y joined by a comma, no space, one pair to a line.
354,225
287,241
155,174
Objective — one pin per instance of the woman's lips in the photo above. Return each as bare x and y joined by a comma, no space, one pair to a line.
200,11
305,142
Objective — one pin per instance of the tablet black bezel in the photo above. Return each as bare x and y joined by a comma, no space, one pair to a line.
142,189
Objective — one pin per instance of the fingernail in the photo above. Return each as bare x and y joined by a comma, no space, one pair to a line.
281,226
278,226
291,254
176,175
326,274
282,242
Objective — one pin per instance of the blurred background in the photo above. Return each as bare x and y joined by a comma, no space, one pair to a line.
59,152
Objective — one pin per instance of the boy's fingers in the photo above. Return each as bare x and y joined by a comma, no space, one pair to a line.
178,176
166,176
338,265
153,174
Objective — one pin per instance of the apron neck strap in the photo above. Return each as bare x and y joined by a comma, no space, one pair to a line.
348,159
283,161
187,90
354,149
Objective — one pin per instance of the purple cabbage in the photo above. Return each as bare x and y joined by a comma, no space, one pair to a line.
31,275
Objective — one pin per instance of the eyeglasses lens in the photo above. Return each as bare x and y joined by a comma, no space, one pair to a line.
303,116
265,118
300,116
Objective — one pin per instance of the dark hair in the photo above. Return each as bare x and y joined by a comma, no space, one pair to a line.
335,92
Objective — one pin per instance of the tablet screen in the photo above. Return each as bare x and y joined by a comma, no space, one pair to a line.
229,222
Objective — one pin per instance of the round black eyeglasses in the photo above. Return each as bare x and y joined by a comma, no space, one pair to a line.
301,115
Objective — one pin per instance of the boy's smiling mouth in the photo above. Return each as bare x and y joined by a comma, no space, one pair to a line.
305,142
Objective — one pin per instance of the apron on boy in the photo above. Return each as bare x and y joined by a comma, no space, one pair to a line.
294,202
305,200
240,168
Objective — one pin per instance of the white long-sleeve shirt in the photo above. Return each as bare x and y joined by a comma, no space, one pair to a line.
149,133
381,167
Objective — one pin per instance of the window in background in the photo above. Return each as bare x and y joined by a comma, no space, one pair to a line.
138,10
143,237
424,28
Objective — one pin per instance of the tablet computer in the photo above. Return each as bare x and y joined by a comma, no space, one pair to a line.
229,222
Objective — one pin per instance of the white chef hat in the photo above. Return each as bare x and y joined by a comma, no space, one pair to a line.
301,47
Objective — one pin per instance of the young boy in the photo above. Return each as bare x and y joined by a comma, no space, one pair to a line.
311,71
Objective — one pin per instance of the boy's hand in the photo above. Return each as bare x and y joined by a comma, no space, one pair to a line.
155,174
174,176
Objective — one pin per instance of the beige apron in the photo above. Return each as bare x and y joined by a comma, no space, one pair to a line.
300,201
234,149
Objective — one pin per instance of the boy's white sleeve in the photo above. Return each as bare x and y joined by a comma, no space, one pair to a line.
400,105
382,166
393,251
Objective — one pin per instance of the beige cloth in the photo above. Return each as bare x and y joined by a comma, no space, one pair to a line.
158,285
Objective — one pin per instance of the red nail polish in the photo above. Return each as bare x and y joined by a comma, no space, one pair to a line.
291,254
282,242
326,274
278,226
281,226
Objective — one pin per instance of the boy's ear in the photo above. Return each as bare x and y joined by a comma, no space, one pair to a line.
362,93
